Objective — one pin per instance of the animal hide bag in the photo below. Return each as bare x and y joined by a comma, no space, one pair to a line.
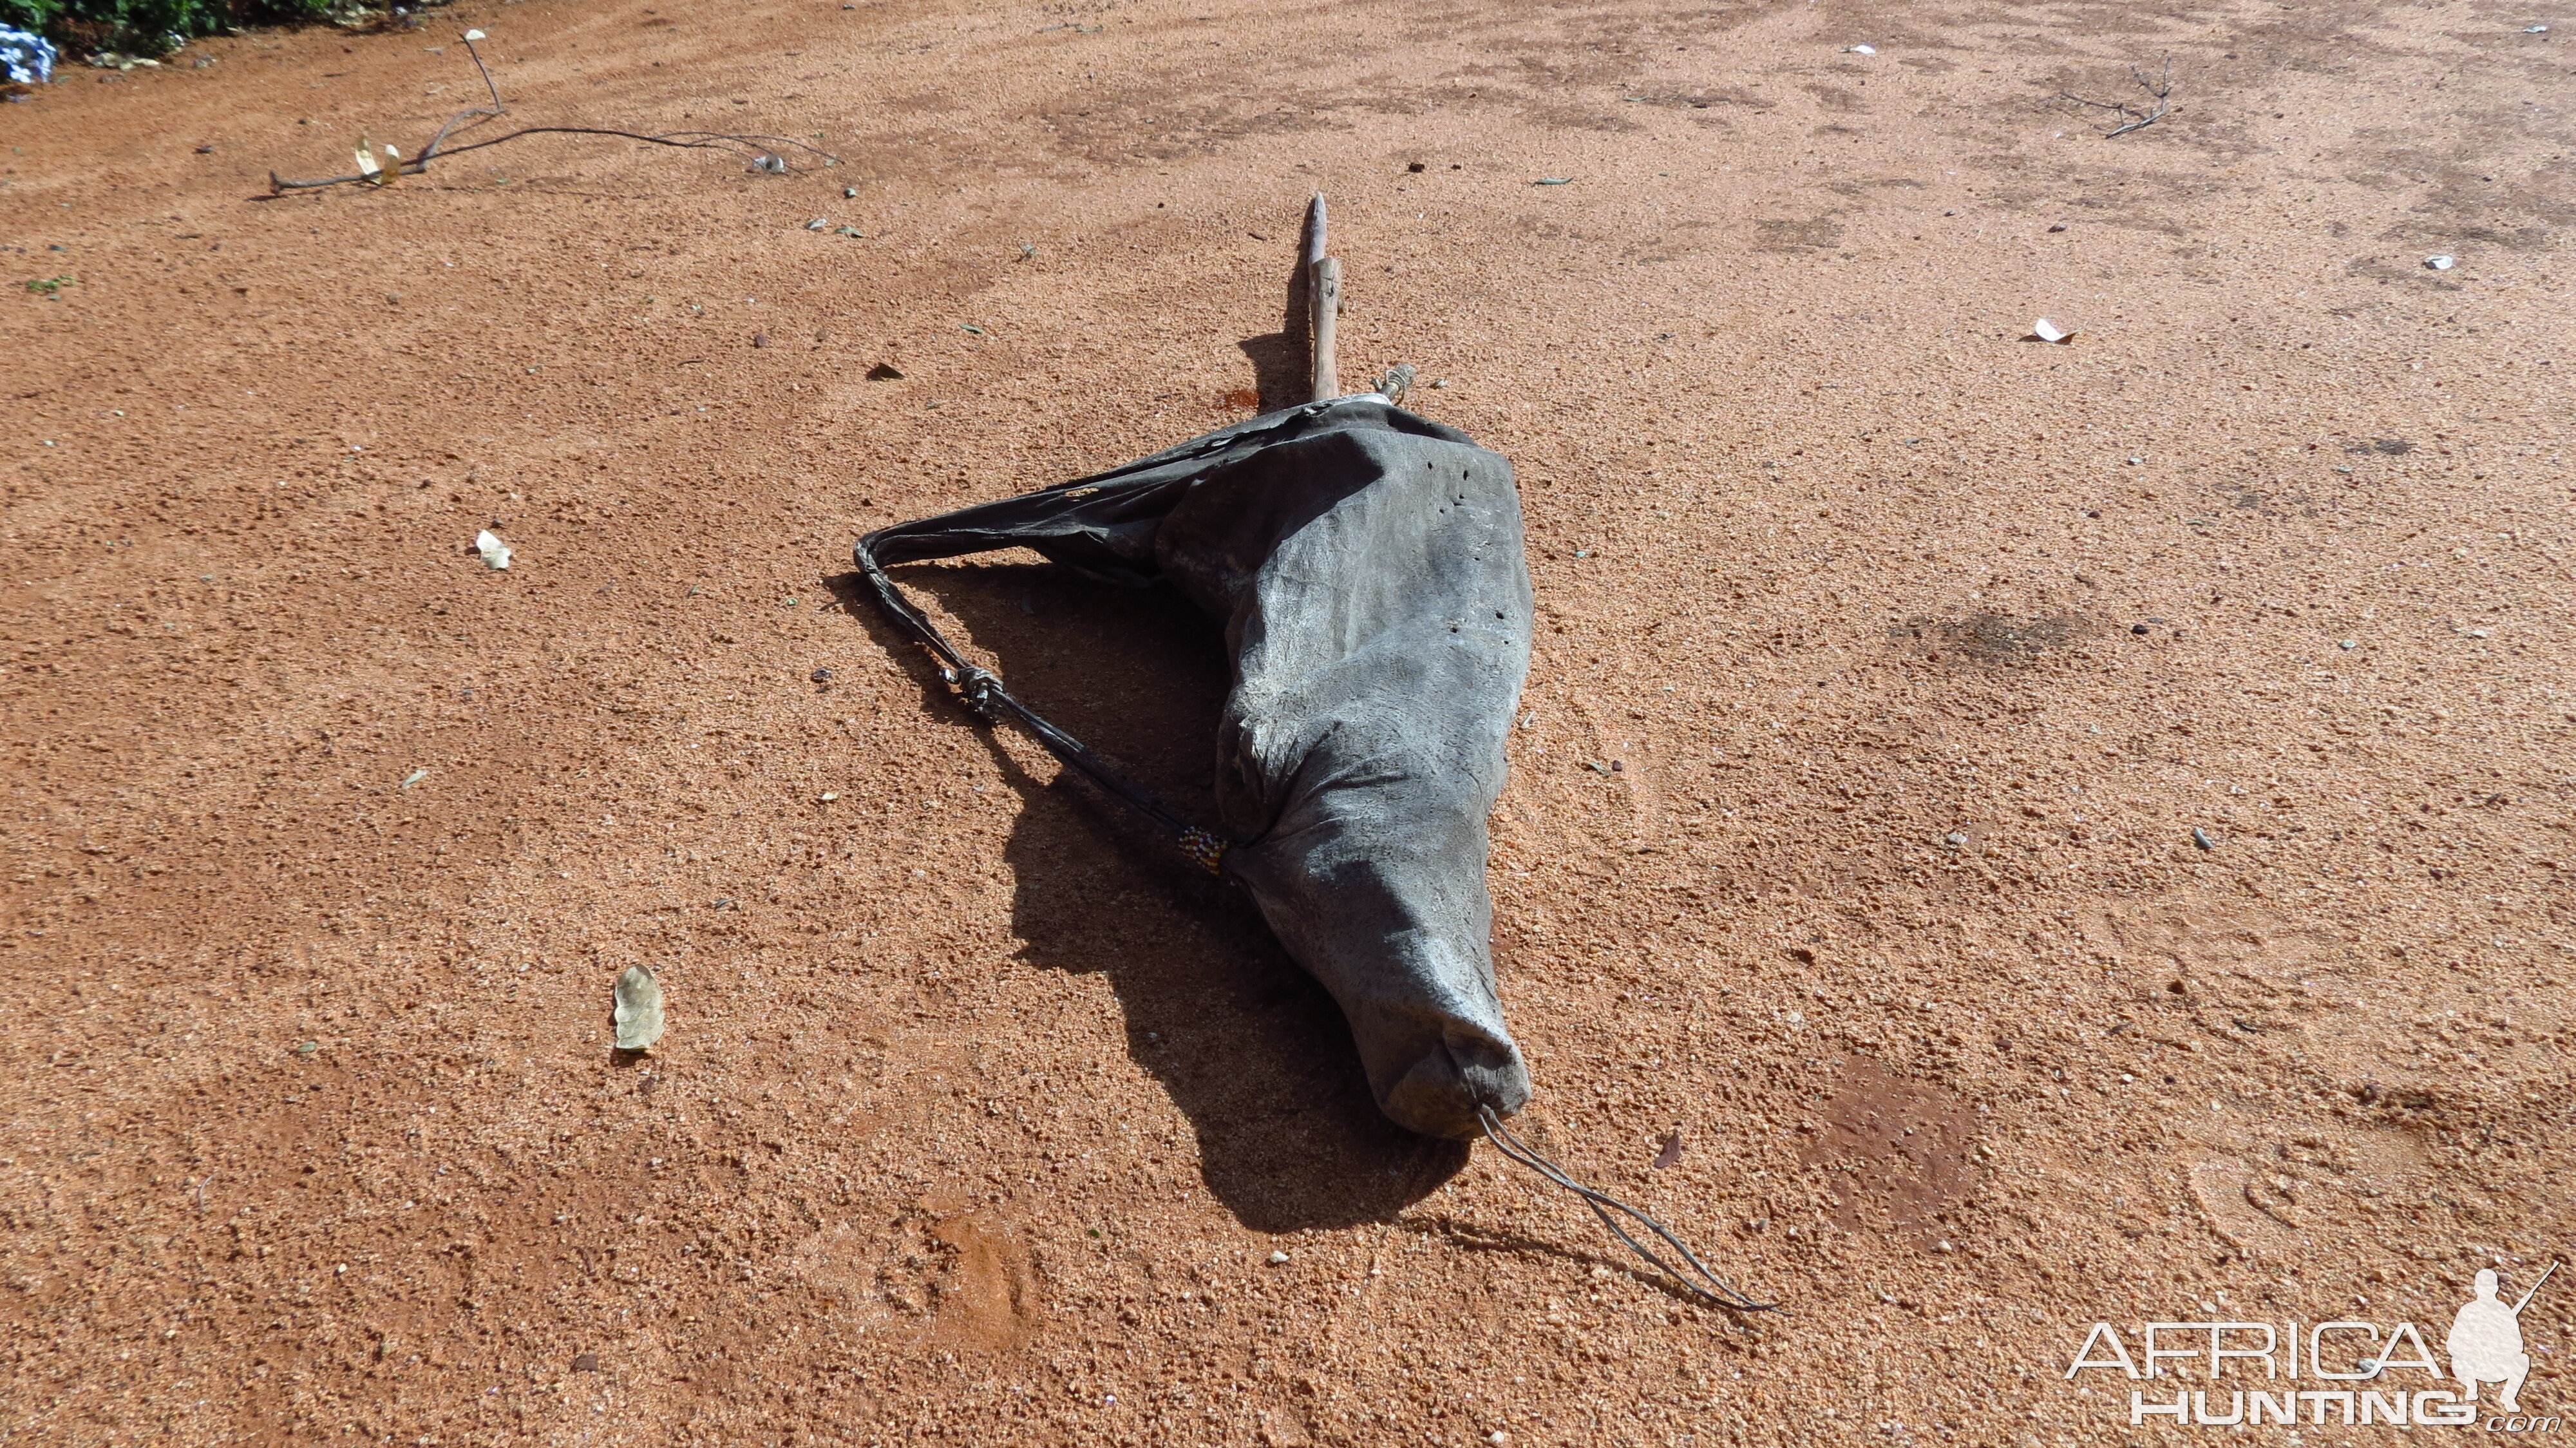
1367,568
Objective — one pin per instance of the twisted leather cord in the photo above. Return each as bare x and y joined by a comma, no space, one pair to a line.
983,693
1717,1293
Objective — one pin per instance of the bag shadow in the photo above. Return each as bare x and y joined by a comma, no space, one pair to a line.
1248,1046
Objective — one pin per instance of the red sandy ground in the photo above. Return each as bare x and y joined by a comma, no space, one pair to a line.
977,1122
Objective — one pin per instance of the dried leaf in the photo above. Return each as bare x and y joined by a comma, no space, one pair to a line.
381,173
1671,1154
639,1009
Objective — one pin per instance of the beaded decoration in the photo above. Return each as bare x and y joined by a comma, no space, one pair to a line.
1204,848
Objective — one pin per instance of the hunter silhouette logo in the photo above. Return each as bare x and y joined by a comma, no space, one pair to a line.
2362,1375
2486,1342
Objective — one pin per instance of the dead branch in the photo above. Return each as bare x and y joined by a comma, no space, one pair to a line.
2159,89
764,152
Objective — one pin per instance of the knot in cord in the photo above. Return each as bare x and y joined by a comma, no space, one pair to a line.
976,687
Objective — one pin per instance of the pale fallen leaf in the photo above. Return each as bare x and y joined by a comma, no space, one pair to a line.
415,777
639,1009
496,554
474,35
2048,331
381,173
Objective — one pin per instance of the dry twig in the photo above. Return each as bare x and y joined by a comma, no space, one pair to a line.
763,151
2160,89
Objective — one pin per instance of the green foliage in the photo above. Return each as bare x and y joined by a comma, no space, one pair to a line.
147,26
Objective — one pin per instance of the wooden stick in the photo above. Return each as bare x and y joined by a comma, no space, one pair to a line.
1323,303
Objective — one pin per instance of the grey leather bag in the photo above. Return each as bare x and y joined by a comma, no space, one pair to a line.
1367,568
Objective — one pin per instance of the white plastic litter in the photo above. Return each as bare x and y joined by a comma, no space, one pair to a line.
2048,331
639,1009
2441,263
1860,50
496,554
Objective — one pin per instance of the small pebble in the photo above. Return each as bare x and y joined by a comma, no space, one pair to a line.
2057,226
819,223
1954,838
2137,628
1278,1258
849,193
2346,644
819,675
2441,263
2201,838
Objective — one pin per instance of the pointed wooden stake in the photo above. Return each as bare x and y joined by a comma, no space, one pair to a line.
1323,304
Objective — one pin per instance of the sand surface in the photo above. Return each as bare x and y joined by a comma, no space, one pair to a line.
1887,664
